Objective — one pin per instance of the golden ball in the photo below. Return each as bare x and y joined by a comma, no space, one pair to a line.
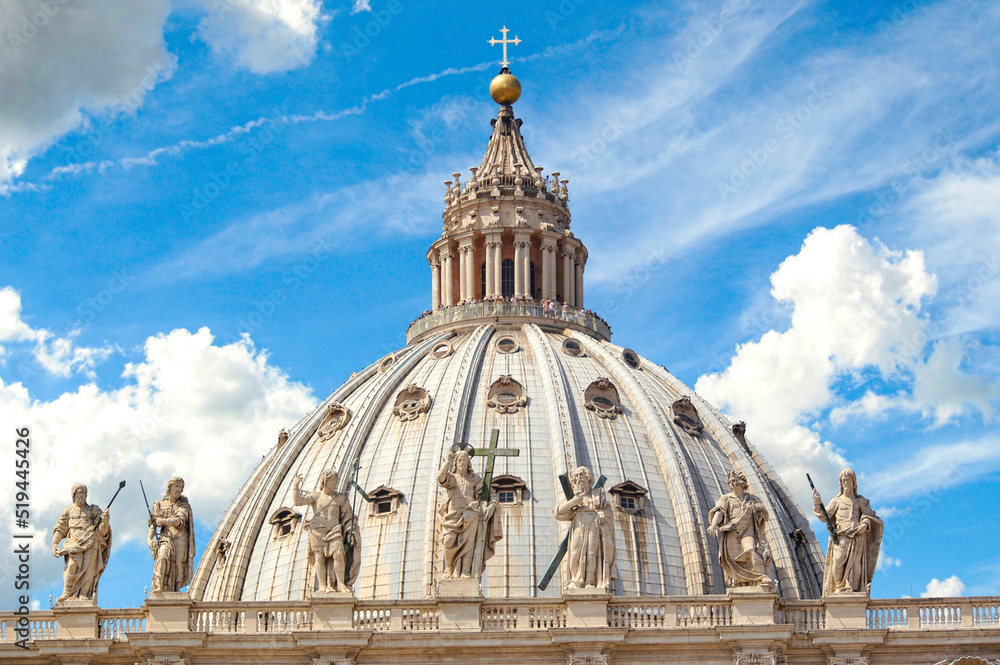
505,89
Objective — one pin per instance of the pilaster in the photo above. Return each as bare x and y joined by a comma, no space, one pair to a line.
76,619
168,612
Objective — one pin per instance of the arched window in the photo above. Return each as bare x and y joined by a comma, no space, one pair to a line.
534,294
482,280
507,278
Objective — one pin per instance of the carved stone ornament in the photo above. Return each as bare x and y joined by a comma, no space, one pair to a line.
686,416
755,658
588,660
601,397
283,437
411,402
966,660
506,395
740,432
860,660
336,418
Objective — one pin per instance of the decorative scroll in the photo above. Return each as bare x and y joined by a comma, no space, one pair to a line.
506,395
686,416
411,402
601,397
336,418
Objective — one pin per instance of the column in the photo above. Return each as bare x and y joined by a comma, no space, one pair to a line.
446,278
498,267
569,279
518,262
547,269
493,245
526,271
579,282
435,284
463,273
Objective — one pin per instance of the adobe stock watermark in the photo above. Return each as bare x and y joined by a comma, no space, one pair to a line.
914,168
361,36
38,16
785,129
293,278
613,130
709,30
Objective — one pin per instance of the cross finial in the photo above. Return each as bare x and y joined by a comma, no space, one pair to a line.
504,41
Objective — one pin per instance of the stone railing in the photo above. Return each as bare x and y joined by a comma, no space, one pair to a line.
933,613
502,615
250,618
488,311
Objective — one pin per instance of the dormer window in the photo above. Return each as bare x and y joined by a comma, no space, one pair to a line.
629,497
284,521
508,490
385,501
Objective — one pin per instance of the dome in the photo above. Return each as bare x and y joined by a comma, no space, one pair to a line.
507,345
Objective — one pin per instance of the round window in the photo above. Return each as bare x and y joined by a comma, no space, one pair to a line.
571,347
630,358
441,350
507,344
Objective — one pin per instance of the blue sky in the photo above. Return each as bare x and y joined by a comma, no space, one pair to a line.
214,211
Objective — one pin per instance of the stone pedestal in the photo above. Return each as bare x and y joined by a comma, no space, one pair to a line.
846,610
168,611
586,608
76,619
458,603
333,611
752,606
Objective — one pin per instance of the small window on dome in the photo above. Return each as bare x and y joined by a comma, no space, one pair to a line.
385,501
631,358
571,347
508,490
284,521
629,497
507,344
506,395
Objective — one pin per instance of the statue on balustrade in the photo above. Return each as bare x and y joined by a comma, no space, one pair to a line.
87,546
856,536
334,543
171,539
739,520
590,552
462,515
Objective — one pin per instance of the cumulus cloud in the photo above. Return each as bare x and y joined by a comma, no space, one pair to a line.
854,305
191,408
949,588
60,62
361,6
57,355
263,36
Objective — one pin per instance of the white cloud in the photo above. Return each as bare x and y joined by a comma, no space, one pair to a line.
887,562
854,305
57,355
190,408
263,36
949,588
361,6
935,468
61,61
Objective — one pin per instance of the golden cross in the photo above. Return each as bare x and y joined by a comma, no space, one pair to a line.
504,41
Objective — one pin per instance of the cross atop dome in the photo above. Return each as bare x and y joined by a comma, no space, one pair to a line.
504,41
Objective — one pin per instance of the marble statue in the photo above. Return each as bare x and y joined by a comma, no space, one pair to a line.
739,520
171,539
850,562
333,535
462,515
590,553
87,546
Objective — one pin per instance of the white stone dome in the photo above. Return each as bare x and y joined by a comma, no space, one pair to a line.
508,301
663,549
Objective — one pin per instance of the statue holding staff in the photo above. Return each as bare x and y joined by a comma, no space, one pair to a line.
855,538
87,547
173,545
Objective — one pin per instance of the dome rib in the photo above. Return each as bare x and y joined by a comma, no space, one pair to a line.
693,545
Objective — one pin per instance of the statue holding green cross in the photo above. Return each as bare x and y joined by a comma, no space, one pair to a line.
467,524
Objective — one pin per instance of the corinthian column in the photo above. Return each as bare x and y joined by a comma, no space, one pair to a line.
447,289
518,262
569,279
435,284
579,282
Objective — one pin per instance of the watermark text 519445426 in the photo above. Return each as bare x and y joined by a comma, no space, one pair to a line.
22,533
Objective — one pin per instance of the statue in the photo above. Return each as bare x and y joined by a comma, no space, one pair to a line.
462,515
173,545
87,531
333,535
850,562
739,520
591,547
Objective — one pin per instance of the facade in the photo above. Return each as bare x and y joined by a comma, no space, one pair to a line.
374,481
